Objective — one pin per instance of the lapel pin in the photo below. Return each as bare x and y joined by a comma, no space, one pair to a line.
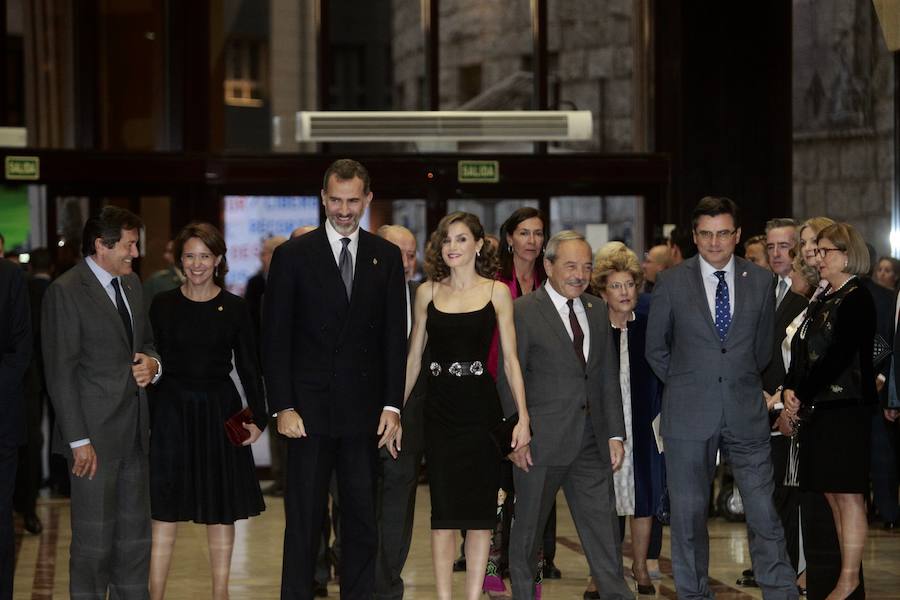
589,305
374,261
744,274
220,309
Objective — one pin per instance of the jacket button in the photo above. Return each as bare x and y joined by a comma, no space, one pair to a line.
724,350
585,376
583,407
720,380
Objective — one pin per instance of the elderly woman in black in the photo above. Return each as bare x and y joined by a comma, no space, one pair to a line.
831,389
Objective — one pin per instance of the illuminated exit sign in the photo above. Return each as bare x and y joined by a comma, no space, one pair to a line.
23,167
478,171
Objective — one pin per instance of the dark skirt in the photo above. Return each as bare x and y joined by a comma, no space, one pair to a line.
834,450
196,474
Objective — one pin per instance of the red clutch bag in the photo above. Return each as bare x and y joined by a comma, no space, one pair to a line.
234,426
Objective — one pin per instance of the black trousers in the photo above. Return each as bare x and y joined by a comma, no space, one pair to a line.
29,474
311,461
8,461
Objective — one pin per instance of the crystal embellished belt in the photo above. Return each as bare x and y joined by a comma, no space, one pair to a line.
457,369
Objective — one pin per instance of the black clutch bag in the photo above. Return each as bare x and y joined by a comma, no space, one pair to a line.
880,350
501,434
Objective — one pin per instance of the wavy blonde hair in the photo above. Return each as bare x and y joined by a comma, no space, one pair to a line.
615,257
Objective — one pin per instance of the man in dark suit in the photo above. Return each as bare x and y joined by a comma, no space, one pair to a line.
334,355
884,444
29,475
781,245
570,366
99,358
399,477
709,357
15,354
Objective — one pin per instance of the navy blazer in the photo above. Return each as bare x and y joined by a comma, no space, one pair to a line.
337,363
15,352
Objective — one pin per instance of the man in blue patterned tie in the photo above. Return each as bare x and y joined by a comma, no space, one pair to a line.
708,338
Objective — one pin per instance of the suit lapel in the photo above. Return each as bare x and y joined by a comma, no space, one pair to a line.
136,303
741,281
554,321
362,276
96,292
696,279
327,270
595,323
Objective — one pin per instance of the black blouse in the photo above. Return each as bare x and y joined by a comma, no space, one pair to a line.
832,361
195,341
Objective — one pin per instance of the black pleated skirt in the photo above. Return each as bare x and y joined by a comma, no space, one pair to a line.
196,474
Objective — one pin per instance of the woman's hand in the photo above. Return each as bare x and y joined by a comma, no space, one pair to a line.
772,400
791,402
255,432
521,435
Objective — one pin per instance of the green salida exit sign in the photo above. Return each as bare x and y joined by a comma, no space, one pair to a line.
478,171
23,167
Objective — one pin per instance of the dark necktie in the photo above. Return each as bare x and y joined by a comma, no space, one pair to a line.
782,290
577,333
723,306
345,263
123,312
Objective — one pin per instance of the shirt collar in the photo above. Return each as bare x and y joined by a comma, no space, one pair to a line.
99,272
335,238
558,300
707,270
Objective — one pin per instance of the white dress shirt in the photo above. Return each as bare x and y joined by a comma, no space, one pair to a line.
334,241
561,303
105,280
710,282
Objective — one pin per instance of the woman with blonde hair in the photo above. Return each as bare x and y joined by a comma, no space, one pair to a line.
456,312
639,483
829,393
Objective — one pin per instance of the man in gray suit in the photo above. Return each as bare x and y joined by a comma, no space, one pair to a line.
708,338
99,357
572,388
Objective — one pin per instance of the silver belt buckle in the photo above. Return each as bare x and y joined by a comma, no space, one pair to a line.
476,368
435,369
455,369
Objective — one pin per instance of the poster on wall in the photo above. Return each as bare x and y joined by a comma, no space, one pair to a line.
249,220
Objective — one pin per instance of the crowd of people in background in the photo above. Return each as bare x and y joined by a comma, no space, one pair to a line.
515,366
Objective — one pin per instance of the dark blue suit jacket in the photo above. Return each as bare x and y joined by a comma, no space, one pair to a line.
15,352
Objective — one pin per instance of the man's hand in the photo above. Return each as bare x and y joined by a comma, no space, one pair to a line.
143,369
891,414
85,461
388,426
772,400
784,425
255,432
290,424
616,454
521,457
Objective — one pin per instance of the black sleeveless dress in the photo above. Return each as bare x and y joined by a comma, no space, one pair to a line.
463,462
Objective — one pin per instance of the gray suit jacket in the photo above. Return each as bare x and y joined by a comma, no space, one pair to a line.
705,379
557,388
88,363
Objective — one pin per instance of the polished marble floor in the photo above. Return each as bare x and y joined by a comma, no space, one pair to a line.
42,563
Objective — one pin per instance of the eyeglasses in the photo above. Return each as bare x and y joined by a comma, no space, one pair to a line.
823,252
617,285
707,236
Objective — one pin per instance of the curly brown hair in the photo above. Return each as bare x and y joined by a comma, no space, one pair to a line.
486,262
212,238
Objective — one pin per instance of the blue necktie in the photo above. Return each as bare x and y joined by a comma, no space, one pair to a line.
723,306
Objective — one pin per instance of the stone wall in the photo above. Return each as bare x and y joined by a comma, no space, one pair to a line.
590,43
843,117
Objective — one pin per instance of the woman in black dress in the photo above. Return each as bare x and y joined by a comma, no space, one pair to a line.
456,312
831,383
196,474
